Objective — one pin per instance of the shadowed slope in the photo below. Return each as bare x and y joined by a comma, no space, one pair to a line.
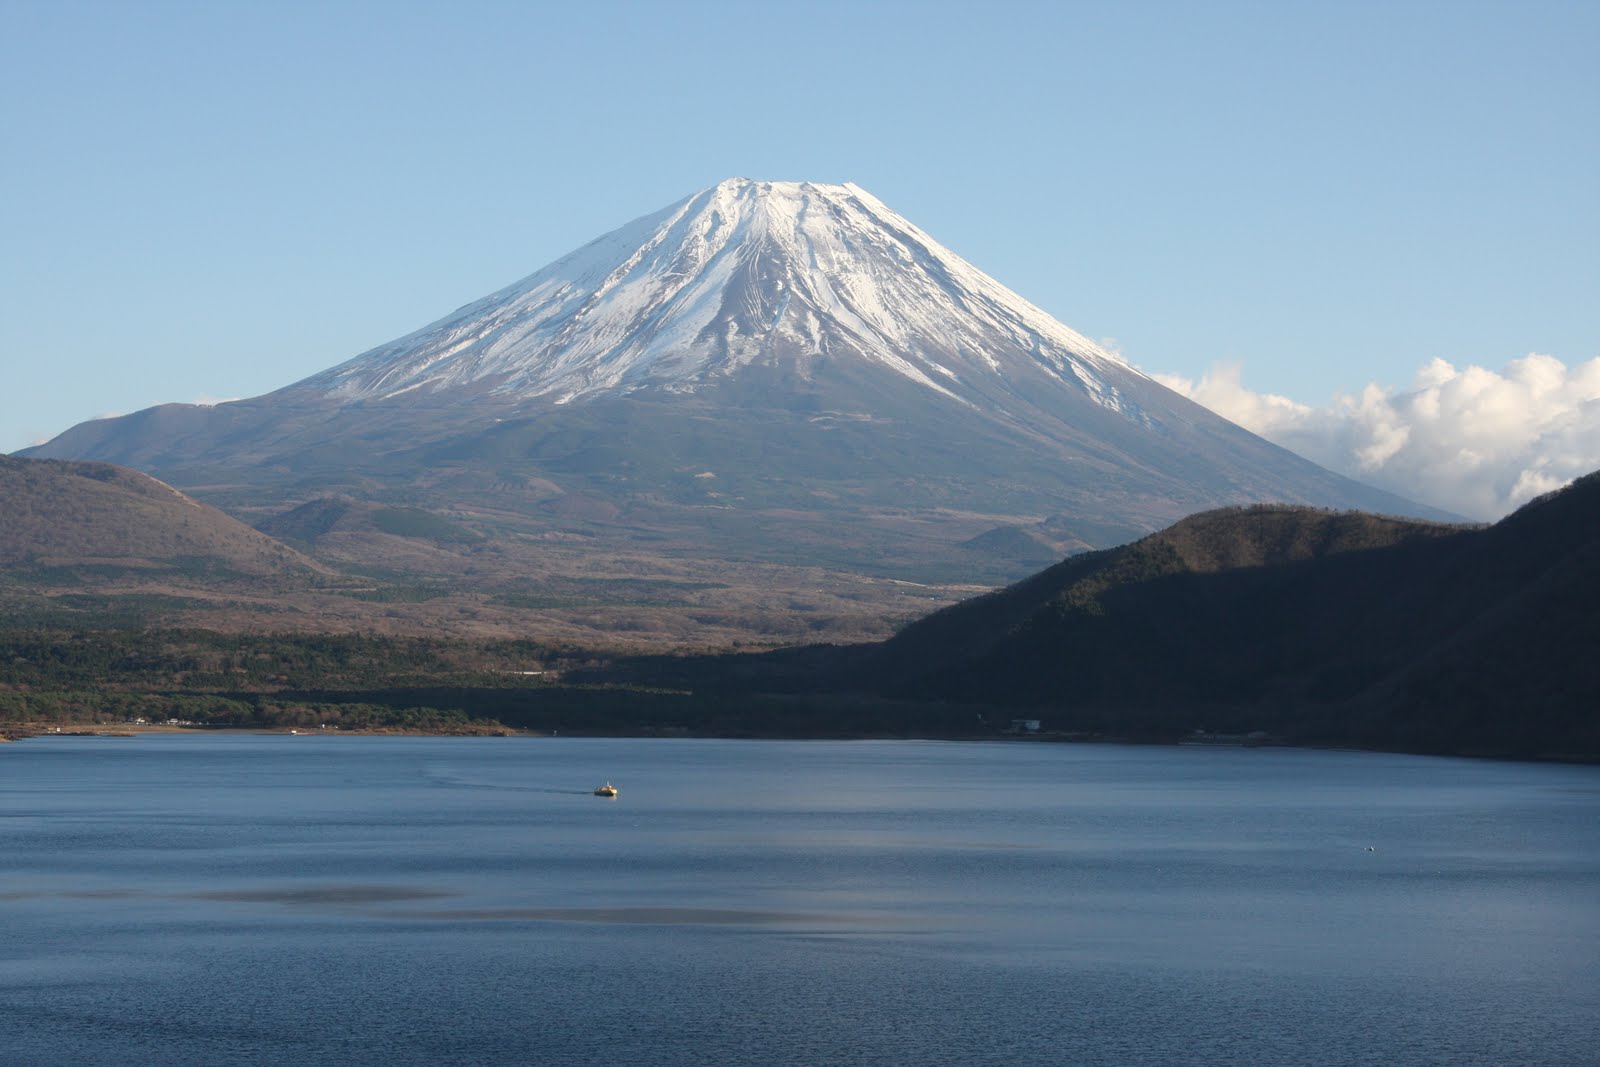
1334,627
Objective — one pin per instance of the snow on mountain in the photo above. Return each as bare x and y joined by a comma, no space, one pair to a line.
781,369
744,273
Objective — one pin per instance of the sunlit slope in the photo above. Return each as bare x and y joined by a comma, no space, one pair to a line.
60,514
761,362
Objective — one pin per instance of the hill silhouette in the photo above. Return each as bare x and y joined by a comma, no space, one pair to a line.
1338,627
1306,626
60,514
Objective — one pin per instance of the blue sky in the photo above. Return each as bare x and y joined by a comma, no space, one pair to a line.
205,200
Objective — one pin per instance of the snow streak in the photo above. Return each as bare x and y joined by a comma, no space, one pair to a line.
742,273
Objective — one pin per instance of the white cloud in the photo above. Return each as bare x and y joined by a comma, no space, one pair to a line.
1475,441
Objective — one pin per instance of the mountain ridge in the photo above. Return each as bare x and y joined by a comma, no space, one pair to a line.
779,372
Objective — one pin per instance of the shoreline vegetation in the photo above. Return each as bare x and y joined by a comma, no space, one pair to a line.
124,683
25,730
1284,625
10,732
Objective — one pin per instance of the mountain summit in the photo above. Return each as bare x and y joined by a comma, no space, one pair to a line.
764,371
776,275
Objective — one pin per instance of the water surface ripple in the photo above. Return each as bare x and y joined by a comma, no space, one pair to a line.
234,899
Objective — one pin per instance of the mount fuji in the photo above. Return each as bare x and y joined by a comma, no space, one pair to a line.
766,371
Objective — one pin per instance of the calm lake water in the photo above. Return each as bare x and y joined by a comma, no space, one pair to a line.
245,899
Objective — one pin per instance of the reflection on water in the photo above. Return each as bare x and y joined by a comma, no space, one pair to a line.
260,899
652,916
330,894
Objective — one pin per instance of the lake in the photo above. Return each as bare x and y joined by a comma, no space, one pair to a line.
276,899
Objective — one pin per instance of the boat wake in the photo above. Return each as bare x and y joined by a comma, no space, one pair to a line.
446,778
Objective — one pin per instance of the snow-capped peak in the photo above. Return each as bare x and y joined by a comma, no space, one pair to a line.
743,273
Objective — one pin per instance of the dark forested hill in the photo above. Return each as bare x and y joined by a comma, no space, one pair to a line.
1320,626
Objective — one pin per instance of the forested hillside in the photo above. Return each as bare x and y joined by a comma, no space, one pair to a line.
1318,626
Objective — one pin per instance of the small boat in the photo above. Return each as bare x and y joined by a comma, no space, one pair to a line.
607,790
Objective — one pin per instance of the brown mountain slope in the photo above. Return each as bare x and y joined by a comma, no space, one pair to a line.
91,545
61,514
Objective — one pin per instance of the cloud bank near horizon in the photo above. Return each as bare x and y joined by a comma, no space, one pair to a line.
1472,440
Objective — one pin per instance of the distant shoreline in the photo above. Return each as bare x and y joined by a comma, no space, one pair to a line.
24,731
